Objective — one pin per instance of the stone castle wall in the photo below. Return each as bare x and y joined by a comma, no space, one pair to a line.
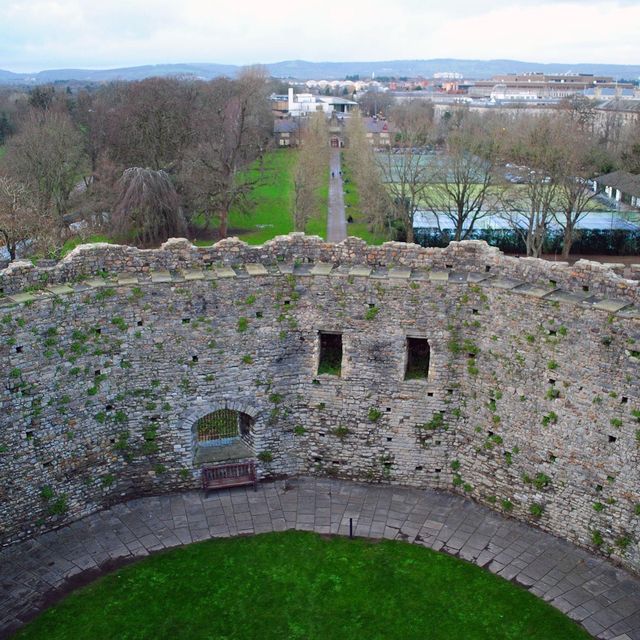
532,402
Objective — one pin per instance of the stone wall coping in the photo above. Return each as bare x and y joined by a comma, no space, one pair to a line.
552,294
177,260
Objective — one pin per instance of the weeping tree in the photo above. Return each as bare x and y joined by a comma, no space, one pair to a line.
147,210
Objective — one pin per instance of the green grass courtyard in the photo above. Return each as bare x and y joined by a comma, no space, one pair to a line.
299,585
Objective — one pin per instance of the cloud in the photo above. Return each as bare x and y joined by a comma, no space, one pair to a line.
37,34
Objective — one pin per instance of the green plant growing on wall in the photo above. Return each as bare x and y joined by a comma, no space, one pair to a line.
265,456
549,418
119,322
341,432
598,506
596,537
455,465
107,480
247,359
507,505
541,481
436,422
374,414
552,393
457,480
299,430
536,509
615,422
371,313
243,324
59,506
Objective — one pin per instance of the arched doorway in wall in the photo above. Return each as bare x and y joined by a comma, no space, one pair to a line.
223,434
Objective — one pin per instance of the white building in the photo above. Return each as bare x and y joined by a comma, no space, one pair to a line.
304,104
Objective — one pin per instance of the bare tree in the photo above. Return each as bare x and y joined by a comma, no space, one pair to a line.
578,165
405,167
233,126
312,164
530,209
48,154
19,221
146,123
375,103
462,179
148,208
360,157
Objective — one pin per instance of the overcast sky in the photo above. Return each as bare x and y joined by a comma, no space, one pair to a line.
47,34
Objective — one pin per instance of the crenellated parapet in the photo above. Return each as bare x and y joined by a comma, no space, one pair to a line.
602,285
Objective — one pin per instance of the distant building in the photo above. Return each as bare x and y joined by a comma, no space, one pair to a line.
305,104
621,186
378,132
543,86
287,132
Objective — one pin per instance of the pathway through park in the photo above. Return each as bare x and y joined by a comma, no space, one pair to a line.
336,222
605,599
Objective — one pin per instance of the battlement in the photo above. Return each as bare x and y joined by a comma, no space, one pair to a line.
587,283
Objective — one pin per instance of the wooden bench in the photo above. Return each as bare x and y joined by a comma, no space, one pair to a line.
236,474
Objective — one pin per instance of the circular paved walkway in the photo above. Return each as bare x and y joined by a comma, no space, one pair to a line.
605,599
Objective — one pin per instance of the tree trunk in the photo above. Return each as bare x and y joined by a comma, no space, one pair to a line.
567,241
223,229
409,226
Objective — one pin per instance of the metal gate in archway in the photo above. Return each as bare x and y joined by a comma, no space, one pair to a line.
223,427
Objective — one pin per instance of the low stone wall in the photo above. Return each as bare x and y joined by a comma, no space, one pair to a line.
531,404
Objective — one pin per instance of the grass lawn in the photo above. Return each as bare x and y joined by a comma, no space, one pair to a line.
271,215
76,241
299,585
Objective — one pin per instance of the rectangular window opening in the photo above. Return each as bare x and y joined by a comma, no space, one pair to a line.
330,353
418,355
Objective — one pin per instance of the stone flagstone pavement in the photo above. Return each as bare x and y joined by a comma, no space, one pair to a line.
603,598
